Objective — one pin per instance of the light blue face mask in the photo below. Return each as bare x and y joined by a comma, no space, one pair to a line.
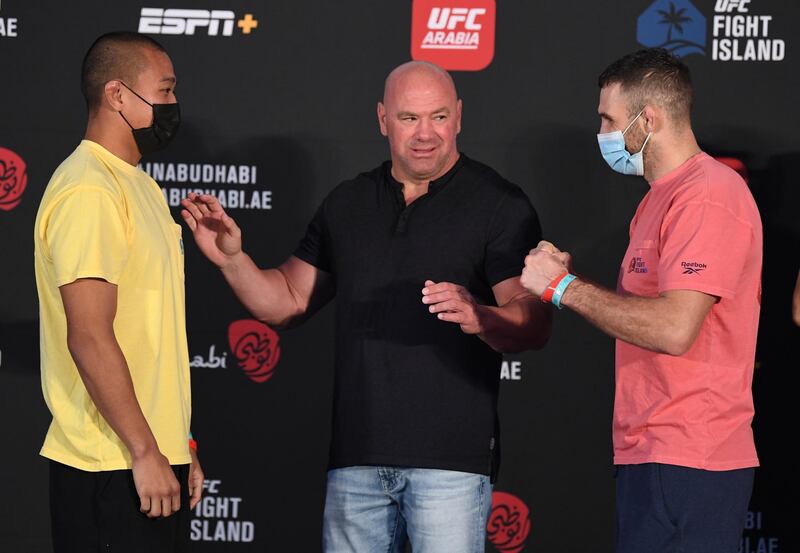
612,147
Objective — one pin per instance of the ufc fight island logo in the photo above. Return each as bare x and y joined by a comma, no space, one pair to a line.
737,33
219,517
159,21
457,35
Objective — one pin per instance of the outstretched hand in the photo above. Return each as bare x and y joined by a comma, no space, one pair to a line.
215,232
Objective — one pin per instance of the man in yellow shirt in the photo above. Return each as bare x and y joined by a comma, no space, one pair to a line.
114,359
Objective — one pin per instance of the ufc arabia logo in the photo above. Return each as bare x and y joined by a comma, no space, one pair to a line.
451,18
454,34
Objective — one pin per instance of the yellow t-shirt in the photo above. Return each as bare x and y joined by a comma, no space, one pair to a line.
104,218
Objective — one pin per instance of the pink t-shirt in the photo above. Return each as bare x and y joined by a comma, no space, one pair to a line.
697,228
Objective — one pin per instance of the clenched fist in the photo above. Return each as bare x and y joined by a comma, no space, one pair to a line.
543,265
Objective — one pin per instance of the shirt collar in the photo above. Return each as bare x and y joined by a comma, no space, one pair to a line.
434,184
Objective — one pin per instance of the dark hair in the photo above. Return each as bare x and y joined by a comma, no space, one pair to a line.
116,55
652,75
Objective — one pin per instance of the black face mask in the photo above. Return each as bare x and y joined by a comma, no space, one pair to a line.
166,120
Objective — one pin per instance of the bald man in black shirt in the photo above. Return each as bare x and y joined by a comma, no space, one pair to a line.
423,254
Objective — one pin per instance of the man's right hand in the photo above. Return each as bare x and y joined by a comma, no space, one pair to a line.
158,489
215,232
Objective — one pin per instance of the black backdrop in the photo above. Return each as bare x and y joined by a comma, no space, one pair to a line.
280,115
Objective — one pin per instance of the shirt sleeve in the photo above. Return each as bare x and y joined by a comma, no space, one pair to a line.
704,247
513,231
314,248
87,236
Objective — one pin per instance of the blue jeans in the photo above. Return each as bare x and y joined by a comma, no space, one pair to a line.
377,509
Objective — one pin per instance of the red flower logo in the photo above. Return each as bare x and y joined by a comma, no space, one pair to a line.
13,178
509,523
256,347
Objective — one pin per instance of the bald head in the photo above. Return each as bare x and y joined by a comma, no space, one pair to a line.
421,116
418,74
121,55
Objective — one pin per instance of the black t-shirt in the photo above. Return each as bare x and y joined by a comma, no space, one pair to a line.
412,390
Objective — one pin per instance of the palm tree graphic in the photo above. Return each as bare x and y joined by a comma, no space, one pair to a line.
675,19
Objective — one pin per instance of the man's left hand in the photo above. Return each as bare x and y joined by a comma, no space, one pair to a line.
196,480
453,303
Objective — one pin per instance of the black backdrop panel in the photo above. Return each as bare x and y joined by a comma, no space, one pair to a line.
277,116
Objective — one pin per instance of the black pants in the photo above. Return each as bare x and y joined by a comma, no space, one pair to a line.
94,512
670,509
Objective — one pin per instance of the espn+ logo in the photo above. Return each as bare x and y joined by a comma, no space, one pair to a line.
159,21
454,34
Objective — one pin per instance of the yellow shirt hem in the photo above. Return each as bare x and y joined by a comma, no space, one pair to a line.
113,464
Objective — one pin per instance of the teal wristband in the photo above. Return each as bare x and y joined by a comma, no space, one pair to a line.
559,291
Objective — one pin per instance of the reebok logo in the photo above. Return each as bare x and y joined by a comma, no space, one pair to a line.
692,268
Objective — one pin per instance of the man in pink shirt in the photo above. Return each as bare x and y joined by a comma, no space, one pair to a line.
685,317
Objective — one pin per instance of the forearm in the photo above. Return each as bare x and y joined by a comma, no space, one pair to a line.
105,374
649,323
264,293
519,325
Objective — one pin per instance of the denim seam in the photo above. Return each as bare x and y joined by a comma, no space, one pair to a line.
476,546
394,531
